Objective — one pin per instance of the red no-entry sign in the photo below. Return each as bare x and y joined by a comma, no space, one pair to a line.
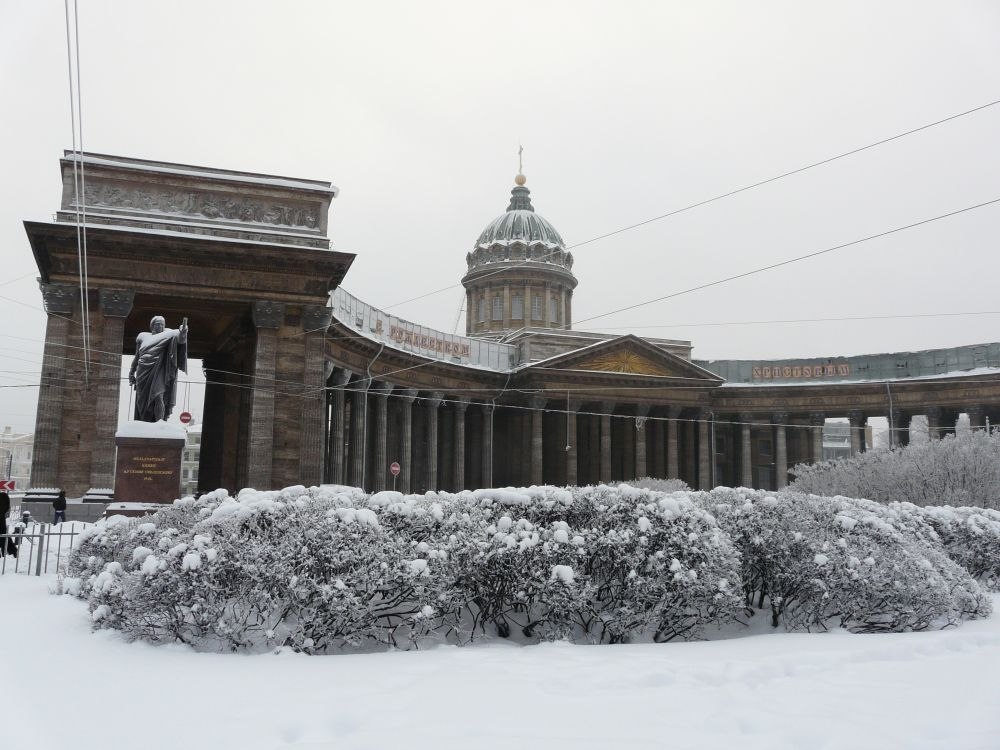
185,417
394,468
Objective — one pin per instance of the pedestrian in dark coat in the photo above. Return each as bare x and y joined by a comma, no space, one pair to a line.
6,543
60,507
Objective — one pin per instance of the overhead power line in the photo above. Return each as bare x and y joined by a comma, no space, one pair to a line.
789,261
715,198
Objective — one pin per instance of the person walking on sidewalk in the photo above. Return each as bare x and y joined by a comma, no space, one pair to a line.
59,504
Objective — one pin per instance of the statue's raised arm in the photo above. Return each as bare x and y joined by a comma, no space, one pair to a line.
159,354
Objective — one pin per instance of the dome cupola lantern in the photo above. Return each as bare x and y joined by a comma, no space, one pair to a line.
519,272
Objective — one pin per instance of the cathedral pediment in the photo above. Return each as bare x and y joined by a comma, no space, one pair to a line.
627,355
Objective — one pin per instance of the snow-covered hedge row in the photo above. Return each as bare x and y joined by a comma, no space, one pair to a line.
971,537
959,470
820,561
322,568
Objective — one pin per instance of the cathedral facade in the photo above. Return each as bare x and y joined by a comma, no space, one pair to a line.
307,383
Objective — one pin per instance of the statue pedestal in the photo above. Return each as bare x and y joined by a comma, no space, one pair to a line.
148,467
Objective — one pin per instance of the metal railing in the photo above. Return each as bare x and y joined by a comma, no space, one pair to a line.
38,548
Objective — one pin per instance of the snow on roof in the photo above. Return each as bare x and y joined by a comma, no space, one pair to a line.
315,186
939,376
160,430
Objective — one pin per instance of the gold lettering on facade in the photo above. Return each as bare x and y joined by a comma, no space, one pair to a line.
800,371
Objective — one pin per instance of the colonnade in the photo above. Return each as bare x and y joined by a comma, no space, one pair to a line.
443,442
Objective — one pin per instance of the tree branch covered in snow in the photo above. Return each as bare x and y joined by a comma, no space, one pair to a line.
960,470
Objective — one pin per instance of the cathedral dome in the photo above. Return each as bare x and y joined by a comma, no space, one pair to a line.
520,224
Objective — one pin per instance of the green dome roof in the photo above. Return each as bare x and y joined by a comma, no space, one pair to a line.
520,224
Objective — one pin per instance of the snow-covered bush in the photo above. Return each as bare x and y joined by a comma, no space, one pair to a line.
324,568
660,485
958,470
971,537
660,566
858,564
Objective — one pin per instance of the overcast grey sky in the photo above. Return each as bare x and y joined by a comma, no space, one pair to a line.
625,110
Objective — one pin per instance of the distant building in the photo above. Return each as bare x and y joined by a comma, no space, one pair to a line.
15,456
836,440
189,460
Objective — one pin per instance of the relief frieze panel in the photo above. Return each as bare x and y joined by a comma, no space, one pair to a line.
213,205
623,361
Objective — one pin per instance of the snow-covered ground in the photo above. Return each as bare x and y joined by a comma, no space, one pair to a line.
64,686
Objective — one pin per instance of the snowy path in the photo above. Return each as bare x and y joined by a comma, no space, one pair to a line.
75,689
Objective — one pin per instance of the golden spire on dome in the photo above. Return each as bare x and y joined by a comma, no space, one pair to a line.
520,179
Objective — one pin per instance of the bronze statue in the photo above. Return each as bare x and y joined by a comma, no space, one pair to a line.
159,354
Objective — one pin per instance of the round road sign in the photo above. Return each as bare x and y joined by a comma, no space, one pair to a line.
394,468
185,417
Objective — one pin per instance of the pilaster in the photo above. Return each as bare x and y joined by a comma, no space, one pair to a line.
267,318
60,301
315,320
116,304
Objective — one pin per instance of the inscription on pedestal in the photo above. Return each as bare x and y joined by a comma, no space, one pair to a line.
148,470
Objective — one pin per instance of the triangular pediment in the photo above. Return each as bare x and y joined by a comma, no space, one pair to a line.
627,355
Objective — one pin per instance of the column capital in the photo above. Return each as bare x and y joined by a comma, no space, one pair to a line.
268,314
116,303
538,402
641,410
316,318
460,405
408,395
779,418
58,298
745,417
817,418
674,411
382,389
573,404
433,399
640,422
607,407
340,377
933,411
856,417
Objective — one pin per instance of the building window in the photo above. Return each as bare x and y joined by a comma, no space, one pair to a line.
554,309
497,307
481,309
517,307
764,447
536,307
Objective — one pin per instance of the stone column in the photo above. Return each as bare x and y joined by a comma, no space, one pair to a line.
380,471
116,304
59,300
527,305
572,475
563,308
977,417
433,403
359,436
315,320
780,419
673,455
593,449
746,451
506,306
469,312
818,420
660,452
267,317
459,447
641,414
857,421
487,441
899,426
335,443
537,439
406,460
706,451
607,407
